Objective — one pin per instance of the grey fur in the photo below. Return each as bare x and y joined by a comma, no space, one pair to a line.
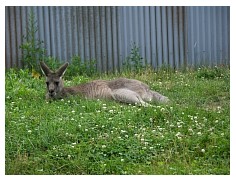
123,90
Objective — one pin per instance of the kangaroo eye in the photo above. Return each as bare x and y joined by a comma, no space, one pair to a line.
57,83
47,83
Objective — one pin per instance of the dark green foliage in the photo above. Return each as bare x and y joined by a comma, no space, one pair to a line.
216,72
32,48
133,62
78,67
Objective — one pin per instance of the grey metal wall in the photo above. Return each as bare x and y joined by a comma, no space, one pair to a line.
175,36
158,31
208,38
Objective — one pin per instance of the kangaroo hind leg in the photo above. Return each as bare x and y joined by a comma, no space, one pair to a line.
156,97
127,96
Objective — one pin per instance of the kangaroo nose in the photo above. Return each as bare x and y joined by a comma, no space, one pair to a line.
51,91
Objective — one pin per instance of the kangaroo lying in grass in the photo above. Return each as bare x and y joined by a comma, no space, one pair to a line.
123,90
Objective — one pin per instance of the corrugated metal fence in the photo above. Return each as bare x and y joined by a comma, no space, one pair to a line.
174,36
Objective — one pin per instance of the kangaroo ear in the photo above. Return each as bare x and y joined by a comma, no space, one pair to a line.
45,68
61,71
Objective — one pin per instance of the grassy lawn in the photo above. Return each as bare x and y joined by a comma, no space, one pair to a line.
190,135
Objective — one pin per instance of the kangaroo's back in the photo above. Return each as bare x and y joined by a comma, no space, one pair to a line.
94,89
131,84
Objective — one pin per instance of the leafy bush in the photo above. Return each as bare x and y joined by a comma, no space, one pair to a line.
134,62
32,48
207,73
77,67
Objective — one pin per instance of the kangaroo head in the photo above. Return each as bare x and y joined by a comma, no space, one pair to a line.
54,80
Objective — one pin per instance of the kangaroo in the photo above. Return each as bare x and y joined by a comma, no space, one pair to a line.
123,90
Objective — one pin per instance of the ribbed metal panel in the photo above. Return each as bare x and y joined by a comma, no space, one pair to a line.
208,36
158,31
172,36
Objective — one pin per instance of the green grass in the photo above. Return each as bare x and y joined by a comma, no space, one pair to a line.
190,135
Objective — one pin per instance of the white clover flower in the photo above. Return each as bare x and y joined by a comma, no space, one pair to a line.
199,133
190,130
204,118
73,111
122,160
29,131
178,134
202,150
103,146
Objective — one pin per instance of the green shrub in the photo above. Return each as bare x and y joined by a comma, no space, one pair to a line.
32,48
134,61
78,67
